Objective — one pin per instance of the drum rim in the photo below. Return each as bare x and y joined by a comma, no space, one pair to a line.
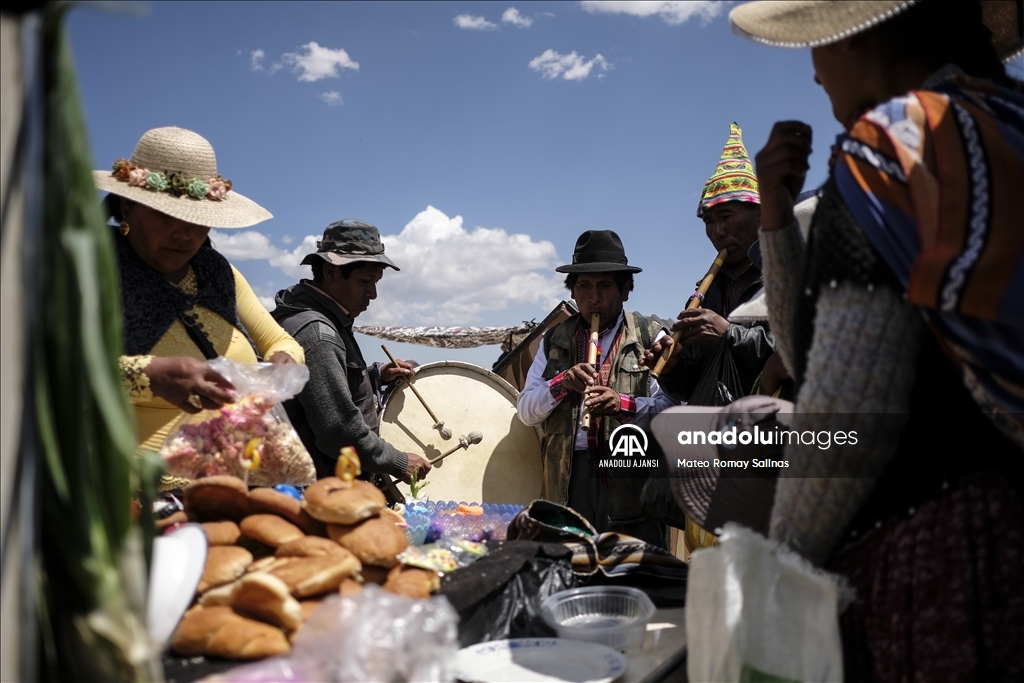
502,382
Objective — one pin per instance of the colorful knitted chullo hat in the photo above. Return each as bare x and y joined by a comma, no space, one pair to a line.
733,179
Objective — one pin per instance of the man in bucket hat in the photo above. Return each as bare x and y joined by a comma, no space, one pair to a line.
618,391
338,406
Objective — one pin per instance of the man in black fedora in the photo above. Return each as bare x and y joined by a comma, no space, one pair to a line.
339,405
618,390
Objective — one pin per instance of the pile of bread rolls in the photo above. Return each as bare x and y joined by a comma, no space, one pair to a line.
272,558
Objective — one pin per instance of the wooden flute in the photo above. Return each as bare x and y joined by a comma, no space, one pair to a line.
592,344
694,302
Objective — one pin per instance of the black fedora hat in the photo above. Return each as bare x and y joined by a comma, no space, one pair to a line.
598,251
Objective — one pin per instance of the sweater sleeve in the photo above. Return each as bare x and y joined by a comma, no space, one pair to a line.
782,253
860,371
330,410
264,330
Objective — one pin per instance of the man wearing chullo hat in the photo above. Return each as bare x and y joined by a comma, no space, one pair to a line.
338,406
618,391
730,207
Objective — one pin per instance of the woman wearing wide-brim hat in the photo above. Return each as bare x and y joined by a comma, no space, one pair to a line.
182,302
904,319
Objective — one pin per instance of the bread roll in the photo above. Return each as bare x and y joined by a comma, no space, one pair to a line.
350,587
375,541
310,576
221,632
216,498
310,546
224,564
266,597
412,582
270,530
336,501
221,533
273,502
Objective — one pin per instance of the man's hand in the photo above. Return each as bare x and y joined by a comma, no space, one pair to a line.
781,168
177,379
579,377
700,326
603,401
417,463
398,369
653,354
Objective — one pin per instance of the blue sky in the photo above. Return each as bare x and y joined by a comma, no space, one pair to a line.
480,146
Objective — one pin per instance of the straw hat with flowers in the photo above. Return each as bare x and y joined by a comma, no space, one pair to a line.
174,171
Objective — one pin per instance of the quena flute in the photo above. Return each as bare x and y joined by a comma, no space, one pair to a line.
592,344
698,296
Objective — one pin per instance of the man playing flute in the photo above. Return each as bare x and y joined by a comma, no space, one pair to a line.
616,390
730,207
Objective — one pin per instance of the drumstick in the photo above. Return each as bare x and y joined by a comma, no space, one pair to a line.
694,302
464,442
438,424
595,323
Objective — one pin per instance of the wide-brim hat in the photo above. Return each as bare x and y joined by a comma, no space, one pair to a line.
599,251
712,496
810,23
175,172
350,240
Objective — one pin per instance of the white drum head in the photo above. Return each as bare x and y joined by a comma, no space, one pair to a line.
505,467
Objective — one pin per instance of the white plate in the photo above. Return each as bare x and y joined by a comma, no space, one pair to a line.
178,561
539,660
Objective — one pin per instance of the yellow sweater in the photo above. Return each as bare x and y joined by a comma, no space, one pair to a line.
154,416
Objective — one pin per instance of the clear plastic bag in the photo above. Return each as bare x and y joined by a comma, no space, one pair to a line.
252,438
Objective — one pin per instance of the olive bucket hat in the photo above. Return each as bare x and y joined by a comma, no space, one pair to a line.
350,240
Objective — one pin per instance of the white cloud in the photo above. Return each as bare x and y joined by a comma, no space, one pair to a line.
286,239
267,301
468,21
450,275
570,67
317,62
672,12
332,98
512,16
256,60
255,246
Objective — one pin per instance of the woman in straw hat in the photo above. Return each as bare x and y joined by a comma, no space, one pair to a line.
182,302
906,323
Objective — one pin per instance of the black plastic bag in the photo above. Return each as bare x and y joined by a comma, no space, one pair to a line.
500,595
719,384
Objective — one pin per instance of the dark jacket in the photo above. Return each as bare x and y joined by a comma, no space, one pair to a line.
751,344
338,407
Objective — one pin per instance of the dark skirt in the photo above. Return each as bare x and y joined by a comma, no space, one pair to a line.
940,594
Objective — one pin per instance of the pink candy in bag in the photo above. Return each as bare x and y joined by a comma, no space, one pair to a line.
252,438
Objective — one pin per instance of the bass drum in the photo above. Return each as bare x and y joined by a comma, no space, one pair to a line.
505,467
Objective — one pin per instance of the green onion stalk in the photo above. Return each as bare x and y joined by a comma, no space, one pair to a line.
93,549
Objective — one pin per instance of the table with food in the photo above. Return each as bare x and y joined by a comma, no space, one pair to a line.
262,573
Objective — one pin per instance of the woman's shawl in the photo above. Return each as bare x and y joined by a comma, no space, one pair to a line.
935,179
150,304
